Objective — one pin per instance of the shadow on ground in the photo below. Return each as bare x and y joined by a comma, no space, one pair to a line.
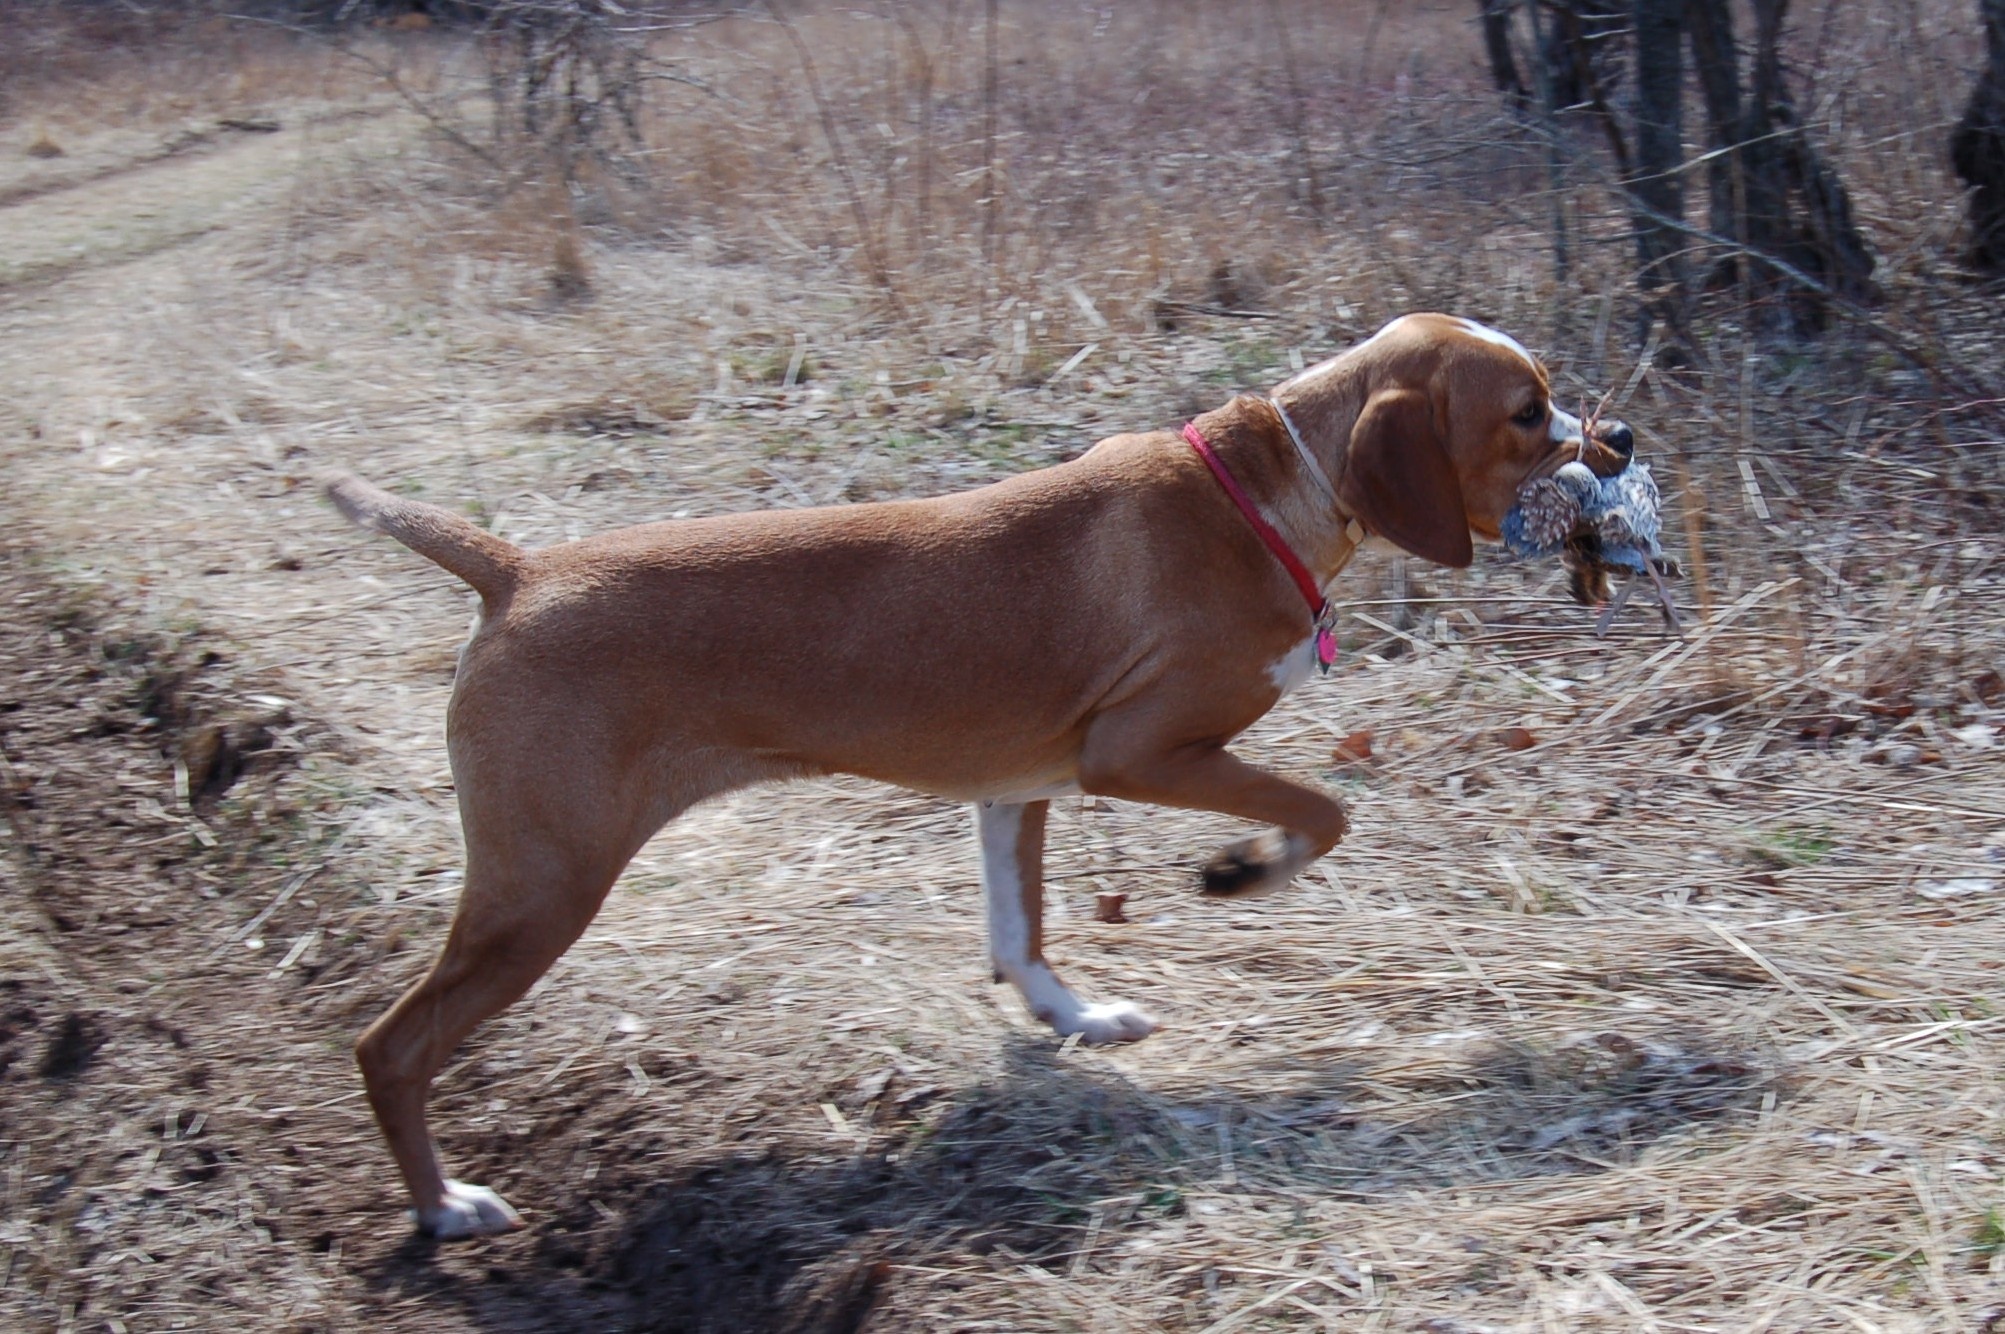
1020,1163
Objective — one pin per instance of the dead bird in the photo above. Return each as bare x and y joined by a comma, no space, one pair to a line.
1598,526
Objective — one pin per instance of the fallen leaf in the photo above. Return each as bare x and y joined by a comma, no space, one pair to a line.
1516,738
1957,889
1978,736
1353,749
1826,727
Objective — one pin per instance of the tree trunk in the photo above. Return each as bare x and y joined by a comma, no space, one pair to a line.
1562,260
1655,183
1582,52
1497,42
1576,43
1769,193
1748,193
1977,147
1709,23
1818,235
1777,209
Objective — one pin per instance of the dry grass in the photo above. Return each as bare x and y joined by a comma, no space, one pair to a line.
1684,1017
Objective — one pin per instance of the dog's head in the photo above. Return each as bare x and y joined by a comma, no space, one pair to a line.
1455,418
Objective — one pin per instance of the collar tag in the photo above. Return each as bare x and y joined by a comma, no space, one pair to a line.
1326,638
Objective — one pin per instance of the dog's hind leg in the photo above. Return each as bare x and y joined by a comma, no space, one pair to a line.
1013,886
540,858
523,905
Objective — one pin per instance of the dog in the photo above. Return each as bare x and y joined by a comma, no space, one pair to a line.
1104,626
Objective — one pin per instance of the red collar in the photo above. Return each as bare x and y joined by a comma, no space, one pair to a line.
1276,543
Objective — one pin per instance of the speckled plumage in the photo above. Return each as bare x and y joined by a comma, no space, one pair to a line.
1544,516
1597,525
1620,511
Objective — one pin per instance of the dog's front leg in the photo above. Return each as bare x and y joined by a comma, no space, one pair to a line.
1129,764
1013,885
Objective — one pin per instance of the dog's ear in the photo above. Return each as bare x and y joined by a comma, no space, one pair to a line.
1398,479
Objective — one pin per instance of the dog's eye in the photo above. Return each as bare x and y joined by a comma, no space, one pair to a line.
1531,415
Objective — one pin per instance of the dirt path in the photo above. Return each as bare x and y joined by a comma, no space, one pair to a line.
197,182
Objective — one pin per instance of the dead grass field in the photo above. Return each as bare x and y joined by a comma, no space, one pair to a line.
1657,987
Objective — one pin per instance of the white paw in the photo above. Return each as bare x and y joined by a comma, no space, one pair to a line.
468,1211
1116,1022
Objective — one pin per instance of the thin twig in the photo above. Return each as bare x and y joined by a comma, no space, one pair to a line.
840,159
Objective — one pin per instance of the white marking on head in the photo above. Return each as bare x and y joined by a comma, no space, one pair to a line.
1468,326
1383,330
1565,427
1308,373
1489,335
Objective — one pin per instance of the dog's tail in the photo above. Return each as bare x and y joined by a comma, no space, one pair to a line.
493,566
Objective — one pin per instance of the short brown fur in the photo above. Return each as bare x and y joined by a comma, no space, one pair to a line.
1107,625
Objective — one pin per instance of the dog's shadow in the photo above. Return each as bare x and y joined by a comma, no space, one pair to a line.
1053,1149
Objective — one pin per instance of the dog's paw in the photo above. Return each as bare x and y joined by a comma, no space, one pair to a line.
1253,866
468,1211
1117,1021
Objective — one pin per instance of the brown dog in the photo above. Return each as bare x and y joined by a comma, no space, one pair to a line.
1104,626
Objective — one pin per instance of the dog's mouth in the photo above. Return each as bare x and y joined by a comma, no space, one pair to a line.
1602,460
1605,446
1565,452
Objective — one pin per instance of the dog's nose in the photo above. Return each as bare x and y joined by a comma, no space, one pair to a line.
1620,438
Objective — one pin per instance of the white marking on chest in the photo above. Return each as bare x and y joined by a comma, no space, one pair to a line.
1293,667
1489,335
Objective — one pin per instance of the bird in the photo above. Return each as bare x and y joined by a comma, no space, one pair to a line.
1598,526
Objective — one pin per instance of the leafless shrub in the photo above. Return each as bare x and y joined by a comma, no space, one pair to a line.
565,79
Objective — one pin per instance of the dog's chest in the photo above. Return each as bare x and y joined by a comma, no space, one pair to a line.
1293,667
